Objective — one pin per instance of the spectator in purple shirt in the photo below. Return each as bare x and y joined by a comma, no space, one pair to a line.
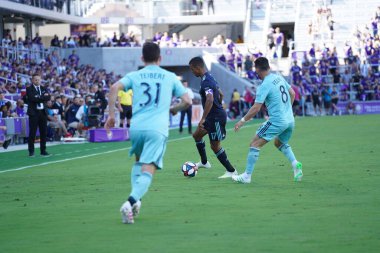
252,75
374,24
333,62
231,61
374,59
239,61
19,110
295,70
37,39
230,46
368,48
312,70
312,51
73,59
157,37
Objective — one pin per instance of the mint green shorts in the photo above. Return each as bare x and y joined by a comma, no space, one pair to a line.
149,146
268,131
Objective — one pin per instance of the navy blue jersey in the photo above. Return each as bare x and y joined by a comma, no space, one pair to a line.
210,86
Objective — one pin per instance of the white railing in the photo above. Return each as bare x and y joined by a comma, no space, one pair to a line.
248,18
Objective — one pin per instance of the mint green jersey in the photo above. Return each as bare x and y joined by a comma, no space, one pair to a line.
153,88
274,92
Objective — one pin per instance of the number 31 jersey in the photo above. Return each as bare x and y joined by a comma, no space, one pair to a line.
274,91
153,88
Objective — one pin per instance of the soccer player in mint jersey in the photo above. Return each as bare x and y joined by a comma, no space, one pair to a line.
153,88
278,97
213,121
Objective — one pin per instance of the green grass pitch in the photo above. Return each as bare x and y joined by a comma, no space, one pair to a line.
71,202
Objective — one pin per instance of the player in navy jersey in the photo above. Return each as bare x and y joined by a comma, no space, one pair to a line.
213,121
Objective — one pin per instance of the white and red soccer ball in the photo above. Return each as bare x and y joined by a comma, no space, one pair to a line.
189,169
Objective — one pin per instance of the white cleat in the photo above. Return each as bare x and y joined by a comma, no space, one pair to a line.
126,213
201,165
241,179
136,208
298,172
229,174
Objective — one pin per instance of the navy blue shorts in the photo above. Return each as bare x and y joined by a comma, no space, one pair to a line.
216,128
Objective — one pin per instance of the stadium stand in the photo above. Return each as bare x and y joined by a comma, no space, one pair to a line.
325,56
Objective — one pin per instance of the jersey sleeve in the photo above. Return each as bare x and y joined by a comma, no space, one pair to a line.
262,93
127,82
178,88
208,87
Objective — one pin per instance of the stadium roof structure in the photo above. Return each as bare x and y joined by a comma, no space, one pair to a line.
15,13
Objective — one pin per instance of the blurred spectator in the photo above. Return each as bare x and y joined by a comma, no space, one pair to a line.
54,120
279,42
210,5
71,113
55,42
316,99
19,110
59,106
239,40
235,103
248,99
188,111
326,95
351,108
334,100
98,95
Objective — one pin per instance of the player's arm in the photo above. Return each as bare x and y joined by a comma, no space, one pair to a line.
208,105
118,103
292,95
184,104
250,114
111,104
221,96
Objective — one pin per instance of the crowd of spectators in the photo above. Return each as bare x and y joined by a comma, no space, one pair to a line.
70,84
45,4
323,77
322,24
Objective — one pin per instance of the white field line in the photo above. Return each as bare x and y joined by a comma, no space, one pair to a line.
95,154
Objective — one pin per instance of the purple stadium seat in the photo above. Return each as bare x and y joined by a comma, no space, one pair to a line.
18,125
2,132
10,124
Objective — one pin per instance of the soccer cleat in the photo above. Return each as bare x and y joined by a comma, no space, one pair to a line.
136,208
229,174
45,154
241,179
298,172
6,143
201,165
126,213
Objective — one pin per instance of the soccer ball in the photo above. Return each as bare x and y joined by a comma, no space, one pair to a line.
189,169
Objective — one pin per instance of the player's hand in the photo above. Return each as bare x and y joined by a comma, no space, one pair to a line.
109,123
238,125
120,109
172,111
200,124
